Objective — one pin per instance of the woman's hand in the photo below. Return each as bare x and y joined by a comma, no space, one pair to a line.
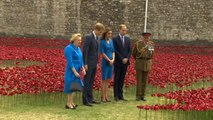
77,74
111,62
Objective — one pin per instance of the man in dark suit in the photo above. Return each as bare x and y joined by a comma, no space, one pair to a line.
122,48
90,57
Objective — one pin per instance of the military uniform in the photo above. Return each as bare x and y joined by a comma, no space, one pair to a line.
142,53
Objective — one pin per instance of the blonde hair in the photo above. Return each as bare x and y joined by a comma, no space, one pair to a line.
75,37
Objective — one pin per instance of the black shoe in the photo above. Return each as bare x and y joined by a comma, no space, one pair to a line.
67,107
95,102
123,99
108,100
75,106
143,99
88,104
116,99
137,99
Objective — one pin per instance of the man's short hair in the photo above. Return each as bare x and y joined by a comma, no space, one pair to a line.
99,26
121,26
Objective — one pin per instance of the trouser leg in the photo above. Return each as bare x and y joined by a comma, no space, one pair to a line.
139,84
144,82
121,81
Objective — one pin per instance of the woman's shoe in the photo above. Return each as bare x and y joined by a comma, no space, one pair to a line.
67,107
75,106
108,100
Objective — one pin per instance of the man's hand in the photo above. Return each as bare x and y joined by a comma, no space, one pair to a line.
125,60
84,71
86,67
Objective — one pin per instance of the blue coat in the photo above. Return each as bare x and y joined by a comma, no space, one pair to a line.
74,59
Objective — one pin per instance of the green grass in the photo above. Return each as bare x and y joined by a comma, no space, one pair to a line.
50,106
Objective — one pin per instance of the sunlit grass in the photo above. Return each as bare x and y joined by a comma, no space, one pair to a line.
47,106
51,106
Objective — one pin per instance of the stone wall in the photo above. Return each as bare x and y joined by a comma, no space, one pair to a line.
183,20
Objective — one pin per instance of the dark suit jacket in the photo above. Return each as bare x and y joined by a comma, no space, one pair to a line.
90,51
120,51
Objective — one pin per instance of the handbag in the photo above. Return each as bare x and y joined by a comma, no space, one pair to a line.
76,87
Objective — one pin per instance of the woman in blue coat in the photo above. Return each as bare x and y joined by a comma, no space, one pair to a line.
74,64
108,57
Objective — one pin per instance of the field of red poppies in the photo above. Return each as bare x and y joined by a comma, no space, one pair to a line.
38,67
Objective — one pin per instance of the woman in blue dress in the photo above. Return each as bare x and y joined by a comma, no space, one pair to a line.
74,64
108,57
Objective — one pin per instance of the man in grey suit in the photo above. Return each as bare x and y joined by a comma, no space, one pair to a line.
90,57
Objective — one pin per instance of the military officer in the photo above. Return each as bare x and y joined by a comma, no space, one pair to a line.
143,54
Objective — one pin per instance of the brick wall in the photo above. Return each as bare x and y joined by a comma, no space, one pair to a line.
182,20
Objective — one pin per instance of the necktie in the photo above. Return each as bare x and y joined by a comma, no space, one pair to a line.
97,39
123,41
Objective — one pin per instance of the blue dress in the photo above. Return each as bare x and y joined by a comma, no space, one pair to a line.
108,49
74,59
